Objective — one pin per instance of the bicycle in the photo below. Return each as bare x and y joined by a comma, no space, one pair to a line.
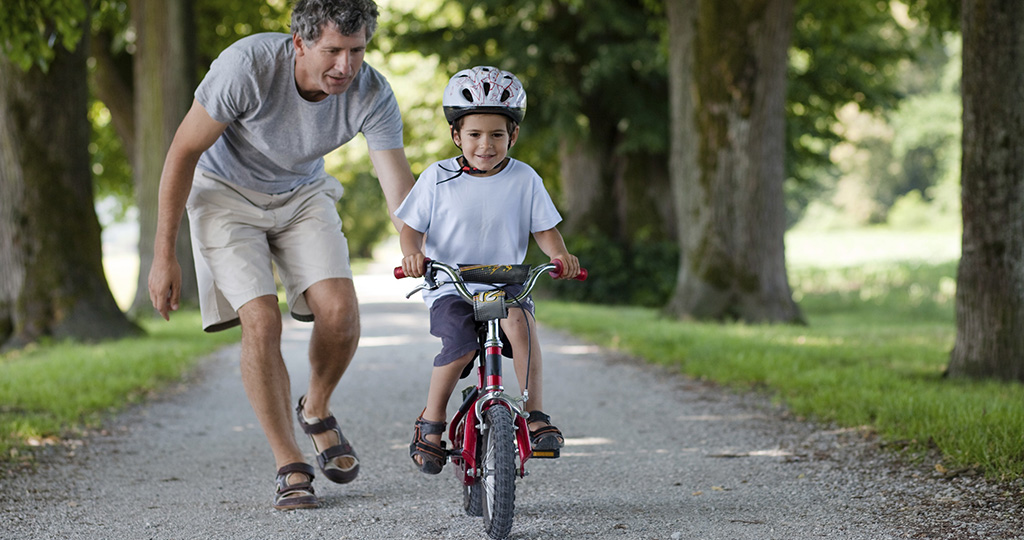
489,433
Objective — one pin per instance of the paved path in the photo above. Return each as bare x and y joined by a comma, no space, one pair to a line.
649,455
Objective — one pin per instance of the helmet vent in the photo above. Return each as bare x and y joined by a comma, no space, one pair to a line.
467,94
505,95
487,88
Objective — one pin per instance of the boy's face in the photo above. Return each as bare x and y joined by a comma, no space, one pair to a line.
485,140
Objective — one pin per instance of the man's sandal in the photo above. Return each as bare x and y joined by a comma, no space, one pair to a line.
326,458
298,495
432,456
546,440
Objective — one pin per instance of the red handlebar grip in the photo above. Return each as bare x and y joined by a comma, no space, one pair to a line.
582,276
399,273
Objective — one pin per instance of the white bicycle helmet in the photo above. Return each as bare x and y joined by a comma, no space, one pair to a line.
484,89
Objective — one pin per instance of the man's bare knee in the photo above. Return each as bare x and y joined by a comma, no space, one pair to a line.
338,322
261,320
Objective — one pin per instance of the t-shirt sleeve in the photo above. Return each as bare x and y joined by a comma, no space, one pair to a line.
418,205
228,91
544,215
383,128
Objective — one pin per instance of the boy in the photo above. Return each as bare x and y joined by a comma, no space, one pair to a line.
479,207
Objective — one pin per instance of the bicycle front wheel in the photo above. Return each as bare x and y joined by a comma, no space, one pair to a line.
498,462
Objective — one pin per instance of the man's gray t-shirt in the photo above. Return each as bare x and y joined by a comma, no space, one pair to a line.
276,140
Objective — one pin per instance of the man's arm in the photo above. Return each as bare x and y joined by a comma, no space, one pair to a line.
196,133
395,178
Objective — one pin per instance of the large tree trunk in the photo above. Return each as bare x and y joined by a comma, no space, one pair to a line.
619,196
728,79
112,80
164,70
51,272
990,280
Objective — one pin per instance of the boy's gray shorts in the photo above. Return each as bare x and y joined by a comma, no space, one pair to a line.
238,232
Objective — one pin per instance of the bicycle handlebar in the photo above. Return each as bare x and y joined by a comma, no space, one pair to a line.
553,268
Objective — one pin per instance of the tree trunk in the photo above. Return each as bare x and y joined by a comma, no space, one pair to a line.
990,280
728,63
113,84
51,271
164,70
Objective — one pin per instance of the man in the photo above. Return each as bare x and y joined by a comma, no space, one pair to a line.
247,162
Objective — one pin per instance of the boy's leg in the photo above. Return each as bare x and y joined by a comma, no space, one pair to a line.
442,383
517,327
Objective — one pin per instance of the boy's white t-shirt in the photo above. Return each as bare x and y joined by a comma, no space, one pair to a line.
477,220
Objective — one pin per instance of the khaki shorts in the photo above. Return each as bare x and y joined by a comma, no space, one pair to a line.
237,233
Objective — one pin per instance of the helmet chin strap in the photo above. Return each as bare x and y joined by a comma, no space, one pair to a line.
467,168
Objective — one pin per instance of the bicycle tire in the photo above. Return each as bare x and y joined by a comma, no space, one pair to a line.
498,482
473,499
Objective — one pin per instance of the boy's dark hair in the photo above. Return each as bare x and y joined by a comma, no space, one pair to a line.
510,124
310,16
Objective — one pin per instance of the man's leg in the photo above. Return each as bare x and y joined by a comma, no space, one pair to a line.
335,336
265,377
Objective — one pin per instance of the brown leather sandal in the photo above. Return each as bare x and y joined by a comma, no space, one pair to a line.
297,495
325,459
432,456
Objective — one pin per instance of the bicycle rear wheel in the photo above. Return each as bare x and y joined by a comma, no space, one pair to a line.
498,481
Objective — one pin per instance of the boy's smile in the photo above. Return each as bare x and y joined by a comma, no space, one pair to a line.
485,140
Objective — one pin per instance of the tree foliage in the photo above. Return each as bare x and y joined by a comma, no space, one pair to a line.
591,69
843,52
31,29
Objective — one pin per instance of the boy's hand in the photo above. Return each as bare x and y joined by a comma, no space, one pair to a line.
570,266
414,264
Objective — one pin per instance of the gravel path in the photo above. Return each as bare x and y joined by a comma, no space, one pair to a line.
650,455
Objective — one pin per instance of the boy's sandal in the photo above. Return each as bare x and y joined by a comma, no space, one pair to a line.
297,495
326,459
432,456
546,440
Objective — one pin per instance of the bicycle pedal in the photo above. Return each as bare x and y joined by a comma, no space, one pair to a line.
546,454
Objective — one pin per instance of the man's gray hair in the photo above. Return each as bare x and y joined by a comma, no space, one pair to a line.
349,16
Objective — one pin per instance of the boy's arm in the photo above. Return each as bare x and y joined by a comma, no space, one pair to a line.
413,261
552,244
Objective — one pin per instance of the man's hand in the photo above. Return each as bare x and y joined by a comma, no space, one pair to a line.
165,286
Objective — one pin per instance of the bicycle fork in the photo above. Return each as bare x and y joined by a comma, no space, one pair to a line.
489,392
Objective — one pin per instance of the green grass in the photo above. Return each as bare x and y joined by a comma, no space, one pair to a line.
54,390
873,354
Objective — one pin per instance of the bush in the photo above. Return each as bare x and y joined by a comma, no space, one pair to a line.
642,274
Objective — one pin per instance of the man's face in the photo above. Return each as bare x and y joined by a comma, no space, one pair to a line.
328,66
